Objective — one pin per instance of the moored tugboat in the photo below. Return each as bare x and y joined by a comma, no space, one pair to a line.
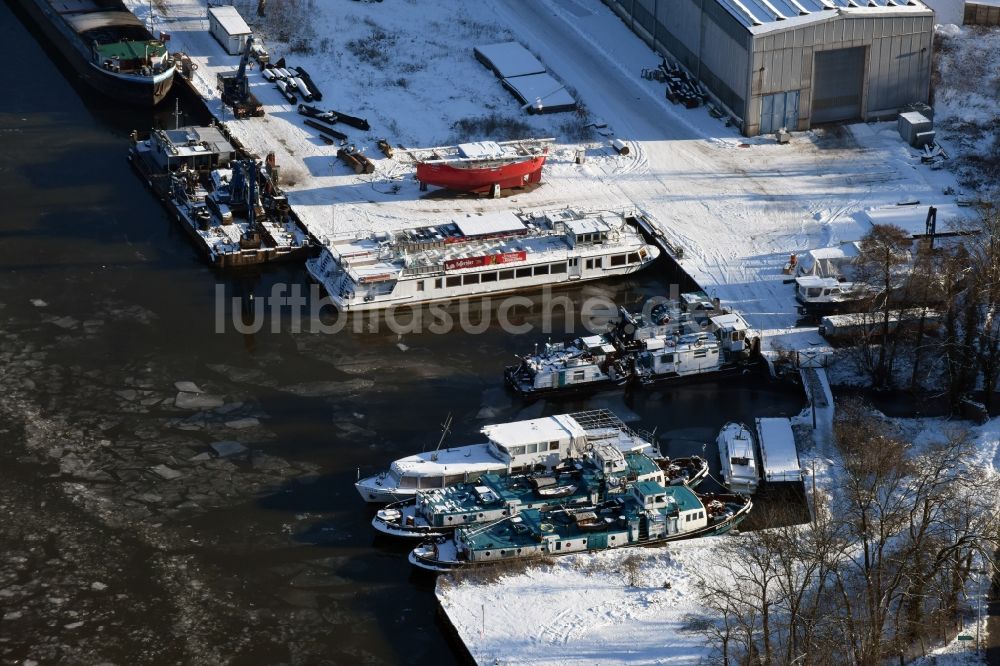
593,362
647,514
673,342
727,345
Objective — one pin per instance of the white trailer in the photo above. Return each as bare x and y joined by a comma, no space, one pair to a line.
228,28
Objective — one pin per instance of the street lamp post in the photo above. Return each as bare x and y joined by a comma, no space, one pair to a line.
979,603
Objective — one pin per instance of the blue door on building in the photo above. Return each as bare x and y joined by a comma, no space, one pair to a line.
779,110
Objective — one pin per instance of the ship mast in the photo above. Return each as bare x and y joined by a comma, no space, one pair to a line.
445,429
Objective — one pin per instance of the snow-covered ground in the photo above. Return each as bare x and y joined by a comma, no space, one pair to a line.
958,652
737,207
582,610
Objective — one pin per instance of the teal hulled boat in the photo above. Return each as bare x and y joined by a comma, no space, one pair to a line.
603,473
648,513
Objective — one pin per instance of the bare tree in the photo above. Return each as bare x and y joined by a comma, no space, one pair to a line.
985,273
883,253
927,287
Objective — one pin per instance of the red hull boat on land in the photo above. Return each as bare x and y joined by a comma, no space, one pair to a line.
486,166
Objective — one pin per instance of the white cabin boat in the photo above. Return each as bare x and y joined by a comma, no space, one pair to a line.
739,458
727,342
638,350
592,362
478,255
827,295
519,446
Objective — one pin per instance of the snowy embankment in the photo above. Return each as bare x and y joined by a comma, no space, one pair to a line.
582,609
737,207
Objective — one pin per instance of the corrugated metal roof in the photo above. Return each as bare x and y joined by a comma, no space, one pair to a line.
752,13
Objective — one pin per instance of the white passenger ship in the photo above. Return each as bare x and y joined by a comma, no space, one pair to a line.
519,446
477,255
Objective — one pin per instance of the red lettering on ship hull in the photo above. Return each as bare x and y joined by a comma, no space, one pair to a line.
487,260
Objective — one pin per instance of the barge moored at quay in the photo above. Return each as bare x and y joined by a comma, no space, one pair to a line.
108,46
232,208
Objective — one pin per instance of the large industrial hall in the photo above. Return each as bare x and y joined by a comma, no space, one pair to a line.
794,64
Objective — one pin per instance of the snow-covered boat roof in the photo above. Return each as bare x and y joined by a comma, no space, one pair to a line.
489,223
808,281
779,457
592,225
516,237
541,87
847,250
739,440
191,141
459,460
508,59
731,320
547,429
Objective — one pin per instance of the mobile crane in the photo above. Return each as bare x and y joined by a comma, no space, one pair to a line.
235,88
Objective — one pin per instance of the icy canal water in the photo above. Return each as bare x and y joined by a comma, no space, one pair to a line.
123,536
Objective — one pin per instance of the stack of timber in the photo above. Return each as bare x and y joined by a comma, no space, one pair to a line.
682,88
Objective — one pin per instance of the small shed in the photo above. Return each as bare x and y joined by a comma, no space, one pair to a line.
228,28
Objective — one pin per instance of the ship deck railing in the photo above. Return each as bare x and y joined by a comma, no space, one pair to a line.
597,422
